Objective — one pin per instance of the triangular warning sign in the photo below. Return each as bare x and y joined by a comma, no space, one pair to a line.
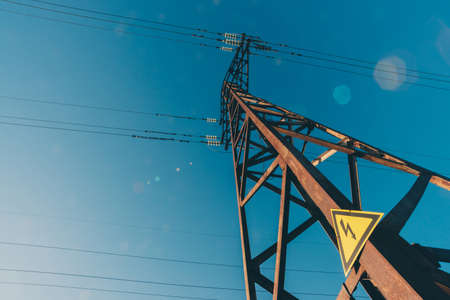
353,229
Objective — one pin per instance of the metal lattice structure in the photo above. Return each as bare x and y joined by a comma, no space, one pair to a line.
259,132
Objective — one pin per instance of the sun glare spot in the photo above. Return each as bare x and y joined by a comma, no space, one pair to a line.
388,73
342,94
443,42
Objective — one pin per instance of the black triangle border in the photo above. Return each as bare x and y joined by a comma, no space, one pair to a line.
375,217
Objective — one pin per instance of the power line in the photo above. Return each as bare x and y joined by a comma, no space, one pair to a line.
152,228
20,283
111,21
104,127
151,282
105,133
221,34
350,72
358,65
186,141
109,29
171,260
350,58
105,108
163,283
128,17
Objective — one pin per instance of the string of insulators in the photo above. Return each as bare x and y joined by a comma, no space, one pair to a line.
211,120
226,49
214,143
235,36
232,39
211,137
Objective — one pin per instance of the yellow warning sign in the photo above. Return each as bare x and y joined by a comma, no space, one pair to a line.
353,229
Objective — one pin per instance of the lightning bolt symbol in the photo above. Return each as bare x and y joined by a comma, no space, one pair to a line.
347,229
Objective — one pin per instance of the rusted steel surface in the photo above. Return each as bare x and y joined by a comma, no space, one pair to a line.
250,290
354,182
388,161
259,131
261,181
280,261
389,271
266,254
349,286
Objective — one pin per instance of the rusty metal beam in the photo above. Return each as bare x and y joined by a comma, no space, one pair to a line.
268,285
250,289
354,182
388,266
261,181
405,166
377,257
280,261
266,254
277,190
327,154
350,284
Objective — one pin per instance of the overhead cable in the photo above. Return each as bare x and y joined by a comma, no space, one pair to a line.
350,72
378,69
171,260
350,58
117,30
151,282
145,27
98,12
113,109
71,287
109,127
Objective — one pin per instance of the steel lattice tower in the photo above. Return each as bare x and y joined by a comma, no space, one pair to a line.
258,131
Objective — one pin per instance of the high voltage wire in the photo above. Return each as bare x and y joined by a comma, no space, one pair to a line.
142,227
128,17
150,282
141,130
111,21
109,29
350,72
256,40
105,133
139,136
123,292
352,59
105,108
217,47
184,261
154,114
220,40
358,66
104,127
131,292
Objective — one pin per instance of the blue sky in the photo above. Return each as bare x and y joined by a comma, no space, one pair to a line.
123,195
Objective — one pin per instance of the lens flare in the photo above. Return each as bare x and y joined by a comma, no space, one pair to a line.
393,79
342,94
443,42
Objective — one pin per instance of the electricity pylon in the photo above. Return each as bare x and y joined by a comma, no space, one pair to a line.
258,131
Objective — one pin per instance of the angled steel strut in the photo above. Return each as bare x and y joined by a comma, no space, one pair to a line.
258,131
